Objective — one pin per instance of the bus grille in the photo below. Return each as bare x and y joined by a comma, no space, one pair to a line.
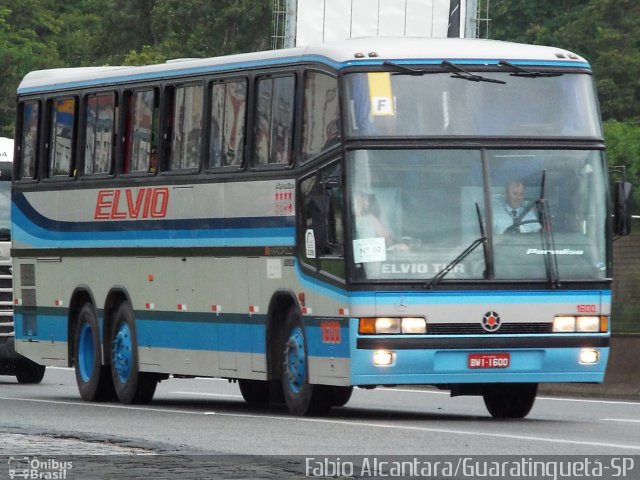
6,302
476,328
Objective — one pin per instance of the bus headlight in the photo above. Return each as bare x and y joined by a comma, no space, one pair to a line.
392,325
587,324
414,325
564,323
387,325
581,324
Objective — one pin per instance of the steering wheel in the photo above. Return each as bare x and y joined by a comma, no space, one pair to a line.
515,227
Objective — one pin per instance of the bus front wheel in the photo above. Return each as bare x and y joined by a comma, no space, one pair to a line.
510,400
131,385
341,396
93,379
301,397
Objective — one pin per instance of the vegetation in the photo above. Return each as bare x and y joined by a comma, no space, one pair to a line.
38,34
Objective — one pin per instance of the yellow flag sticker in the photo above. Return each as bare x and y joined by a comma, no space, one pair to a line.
380,93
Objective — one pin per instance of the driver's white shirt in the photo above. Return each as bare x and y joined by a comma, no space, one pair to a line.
503,219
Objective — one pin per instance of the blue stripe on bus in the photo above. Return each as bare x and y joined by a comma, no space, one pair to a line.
187,331
222,67
234,66
466,61
31,215
458,297
248,231
475,296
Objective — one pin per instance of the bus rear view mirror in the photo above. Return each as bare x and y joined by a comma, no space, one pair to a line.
622,208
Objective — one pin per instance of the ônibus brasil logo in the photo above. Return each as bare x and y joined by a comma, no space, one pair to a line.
491,322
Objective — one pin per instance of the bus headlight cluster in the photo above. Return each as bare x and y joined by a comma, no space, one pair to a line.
580,324
392,326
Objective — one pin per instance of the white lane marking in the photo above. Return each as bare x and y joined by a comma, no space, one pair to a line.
440,392
625,420
554,399
101,405
208,394
585,400
441,430
342,422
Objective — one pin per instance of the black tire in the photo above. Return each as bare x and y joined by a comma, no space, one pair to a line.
261,392
341,396
254,392
510,400
93,378
301,397
30,373
131,385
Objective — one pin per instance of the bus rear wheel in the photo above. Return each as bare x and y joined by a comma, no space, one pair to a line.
254,392
301,397
261,392
131,385
30,373
510,400
93,379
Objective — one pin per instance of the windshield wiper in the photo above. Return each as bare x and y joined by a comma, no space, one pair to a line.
405,69
548,240
524,72
459,72
467,251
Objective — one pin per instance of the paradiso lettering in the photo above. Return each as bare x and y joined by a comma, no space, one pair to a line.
128,203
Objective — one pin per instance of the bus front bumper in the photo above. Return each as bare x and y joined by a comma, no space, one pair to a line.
490,359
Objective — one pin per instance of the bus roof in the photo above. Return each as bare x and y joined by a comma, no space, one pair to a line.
342,54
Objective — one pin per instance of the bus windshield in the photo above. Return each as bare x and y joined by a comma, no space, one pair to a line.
414,211
435,104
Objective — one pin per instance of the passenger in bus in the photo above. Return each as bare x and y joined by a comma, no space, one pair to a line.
367,217
512,214
153,160
369,224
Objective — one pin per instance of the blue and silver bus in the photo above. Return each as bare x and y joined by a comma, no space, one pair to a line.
305,221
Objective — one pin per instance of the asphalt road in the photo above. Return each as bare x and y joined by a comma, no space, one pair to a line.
209,417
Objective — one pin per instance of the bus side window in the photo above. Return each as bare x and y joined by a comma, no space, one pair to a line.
140,132
62,135
99,133
28,147
321,114
323,213
228,120
186,127
273,129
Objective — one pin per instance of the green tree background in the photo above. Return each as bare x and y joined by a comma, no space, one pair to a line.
39,34
607,34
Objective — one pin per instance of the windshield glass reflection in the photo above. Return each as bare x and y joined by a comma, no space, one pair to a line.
435,104
415,211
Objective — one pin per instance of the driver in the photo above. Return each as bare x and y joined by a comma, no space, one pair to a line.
514,214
